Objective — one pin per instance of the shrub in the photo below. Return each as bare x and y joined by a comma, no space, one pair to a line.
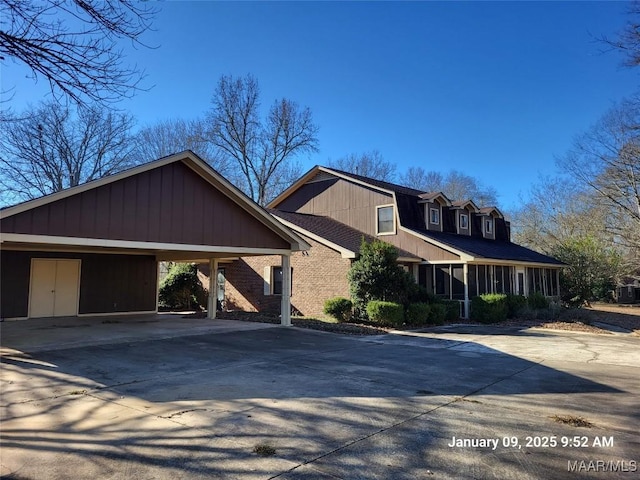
515,304
418,313
339,308
385,313
420,294
537,301
489,308
375,275
452,310
181,289
438,314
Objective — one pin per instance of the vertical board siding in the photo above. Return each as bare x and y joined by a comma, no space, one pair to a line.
108,283
169,204
355,205
14,284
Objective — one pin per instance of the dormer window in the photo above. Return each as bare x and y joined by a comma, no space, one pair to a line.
464,221
434,216
488,226
385,224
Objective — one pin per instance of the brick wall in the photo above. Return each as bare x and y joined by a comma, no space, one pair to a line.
318,274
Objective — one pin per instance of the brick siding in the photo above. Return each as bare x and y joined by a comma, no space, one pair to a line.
318,274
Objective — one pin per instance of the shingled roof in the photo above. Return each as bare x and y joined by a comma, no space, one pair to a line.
332,231
481,248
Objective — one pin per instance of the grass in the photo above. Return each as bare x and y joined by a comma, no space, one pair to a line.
572,420
264,450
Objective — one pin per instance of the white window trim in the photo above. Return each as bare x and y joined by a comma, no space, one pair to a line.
460,227
488,222
437,211
394,230
269,283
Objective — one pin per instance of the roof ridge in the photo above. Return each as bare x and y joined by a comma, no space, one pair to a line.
380,183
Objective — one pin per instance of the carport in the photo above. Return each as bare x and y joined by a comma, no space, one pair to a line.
94,249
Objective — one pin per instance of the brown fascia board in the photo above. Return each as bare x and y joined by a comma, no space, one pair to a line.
194,162
311,173
462,204
293,187
489,211
431,196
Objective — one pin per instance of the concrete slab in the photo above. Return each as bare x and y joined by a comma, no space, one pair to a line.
194,400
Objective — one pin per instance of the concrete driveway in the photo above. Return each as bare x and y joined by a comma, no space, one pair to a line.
174,398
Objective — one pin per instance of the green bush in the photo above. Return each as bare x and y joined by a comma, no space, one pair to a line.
537,301
489,308
420,294
438,314
181,289
515,304
385,313
339,308
418,313
452,310
375,275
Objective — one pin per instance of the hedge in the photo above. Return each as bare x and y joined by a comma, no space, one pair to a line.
438,314
418,313
537,301
489,308
385,313
339,308
515,304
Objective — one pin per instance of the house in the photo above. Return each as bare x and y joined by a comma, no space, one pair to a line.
457,250
94,249
628,291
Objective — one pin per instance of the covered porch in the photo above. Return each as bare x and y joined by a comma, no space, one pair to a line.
463,281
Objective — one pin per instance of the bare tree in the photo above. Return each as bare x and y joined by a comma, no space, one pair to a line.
368,164
263,149
455,185
606,159
628,40
52,147
171,136
558,209
72,44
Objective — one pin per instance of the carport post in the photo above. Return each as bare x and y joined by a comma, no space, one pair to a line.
465,275
285,314
212,304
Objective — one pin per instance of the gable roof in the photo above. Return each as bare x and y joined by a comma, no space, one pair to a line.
411,217
199,169
463,204
385,187
332,233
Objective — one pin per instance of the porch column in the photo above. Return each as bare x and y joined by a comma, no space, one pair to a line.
465,276
212,303
558,282
285,313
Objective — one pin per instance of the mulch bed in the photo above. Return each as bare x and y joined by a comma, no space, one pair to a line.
361,329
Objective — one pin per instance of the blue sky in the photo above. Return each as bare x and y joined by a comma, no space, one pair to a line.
496,90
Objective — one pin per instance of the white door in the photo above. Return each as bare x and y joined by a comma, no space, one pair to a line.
520,281
54,288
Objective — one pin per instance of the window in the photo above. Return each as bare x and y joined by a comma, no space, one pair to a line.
273,280
488,226
277,280
464,221
434,216
385,222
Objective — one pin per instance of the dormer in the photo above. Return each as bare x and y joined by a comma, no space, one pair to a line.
433,203
488,216
463,212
